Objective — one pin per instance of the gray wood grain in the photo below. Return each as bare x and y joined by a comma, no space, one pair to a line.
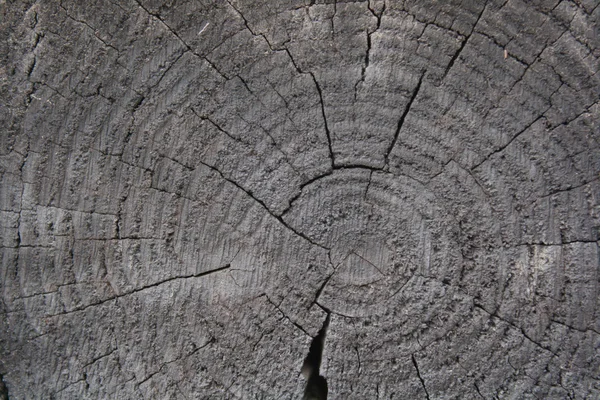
190,188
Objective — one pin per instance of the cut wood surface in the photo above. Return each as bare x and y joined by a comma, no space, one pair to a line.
192,190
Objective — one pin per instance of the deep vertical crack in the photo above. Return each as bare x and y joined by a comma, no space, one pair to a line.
402,119
3,389
316,386
367,57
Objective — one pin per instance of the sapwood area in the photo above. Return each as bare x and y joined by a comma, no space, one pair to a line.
197,196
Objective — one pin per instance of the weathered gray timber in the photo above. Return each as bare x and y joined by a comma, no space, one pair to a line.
190,187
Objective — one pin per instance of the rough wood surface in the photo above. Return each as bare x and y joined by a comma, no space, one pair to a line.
189,188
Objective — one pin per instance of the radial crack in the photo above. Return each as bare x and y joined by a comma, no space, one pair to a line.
266,131
501,148
368,185
463,44
94,360
320,93
478,391
143,97
402,118
209,342
246,24
188,47
574,328
88,26
327,131
213,123
367,60
414,361
358,359
263,205
521,330
198,275
297,325
368,52
559,191
320,290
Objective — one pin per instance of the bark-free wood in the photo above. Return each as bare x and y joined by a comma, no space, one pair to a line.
189,188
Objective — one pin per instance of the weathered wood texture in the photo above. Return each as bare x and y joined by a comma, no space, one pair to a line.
188,187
